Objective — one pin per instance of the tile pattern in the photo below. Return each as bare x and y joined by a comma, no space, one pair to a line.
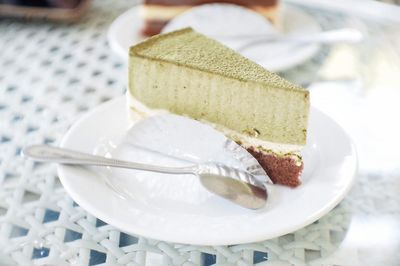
50,75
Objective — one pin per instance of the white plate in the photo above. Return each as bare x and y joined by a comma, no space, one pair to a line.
204,219
125,32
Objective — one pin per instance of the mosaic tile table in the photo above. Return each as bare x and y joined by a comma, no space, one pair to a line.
51,74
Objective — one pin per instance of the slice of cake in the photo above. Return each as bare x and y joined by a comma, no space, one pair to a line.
188,74
157,13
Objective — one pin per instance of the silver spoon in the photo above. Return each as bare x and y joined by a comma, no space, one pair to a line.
235,185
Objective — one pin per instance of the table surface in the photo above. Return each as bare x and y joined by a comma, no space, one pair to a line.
51,74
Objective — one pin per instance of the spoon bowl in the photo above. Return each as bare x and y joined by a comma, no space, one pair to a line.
242,193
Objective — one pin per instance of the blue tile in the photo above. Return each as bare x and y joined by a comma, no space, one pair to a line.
25,99
4,139
127,240
31,129
50,216
40,253
208,259
73,81
17,117
54,49
9,175
100,223
259,256
30,196
71,236
97,257
11,88
18,151
36,165
48,141
117,65
18,231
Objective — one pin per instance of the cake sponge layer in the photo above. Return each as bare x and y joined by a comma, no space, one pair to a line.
189,74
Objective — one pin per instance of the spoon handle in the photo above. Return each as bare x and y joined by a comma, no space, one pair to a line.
45,153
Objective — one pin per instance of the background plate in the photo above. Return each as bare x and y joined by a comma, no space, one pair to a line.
125,32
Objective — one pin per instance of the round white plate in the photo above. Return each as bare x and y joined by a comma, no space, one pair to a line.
164,209
125,32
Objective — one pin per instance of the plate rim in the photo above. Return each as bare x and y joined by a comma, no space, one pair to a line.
114,44
228,240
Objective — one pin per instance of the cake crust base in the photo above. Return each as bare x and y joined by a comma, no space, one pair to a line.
282,170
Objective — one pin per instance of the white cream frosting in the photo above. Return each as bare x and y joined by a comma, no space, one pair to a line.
138,110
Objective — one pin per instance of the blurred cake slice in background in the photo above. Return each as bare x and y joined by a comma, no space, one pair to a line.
157,13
